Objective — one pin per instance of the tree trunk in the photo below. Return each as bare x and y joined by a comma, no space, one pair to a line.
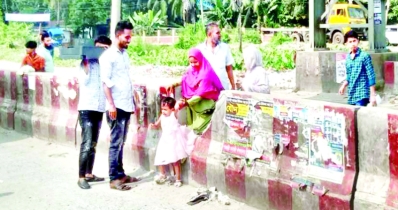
388,2
240,29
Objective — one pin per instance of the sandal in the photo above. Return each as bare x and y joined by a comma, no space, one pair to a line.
178,183
118,185
129,179
199,198
94,179
160,179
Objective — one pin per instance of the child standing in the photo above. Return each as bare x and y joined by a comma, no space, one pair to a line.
172,144
361,77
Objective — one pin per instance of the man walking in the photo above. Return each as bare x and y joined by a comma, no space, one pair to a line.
219,55
361,78
91,110
115,75
44,50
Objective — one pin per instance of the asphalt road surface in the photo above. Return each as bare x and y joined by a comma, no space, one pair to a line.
35,174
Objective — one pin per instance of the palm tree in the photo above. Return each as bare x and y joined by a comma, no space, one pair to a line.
222,12
182,8
158,5
255,6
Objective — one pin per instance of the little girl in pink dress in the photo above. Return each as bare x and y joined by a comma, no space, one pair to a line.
172,146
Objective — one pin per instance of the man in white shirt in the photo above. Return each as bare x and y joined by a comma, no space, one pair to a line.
45,53
115,75
91,110
219,55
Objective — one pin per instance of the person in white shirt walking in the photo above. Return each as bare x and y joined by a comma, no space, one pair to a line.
219,55
91,110
45,51
115,75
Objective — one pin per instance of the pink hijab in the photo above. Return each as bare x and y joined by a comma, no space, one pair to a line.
203,82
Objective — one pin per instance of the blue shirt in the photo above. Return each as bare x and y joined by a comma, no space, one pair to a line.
360,76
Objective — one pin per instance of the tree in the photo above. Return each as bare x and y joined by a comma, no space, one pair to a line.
84,14
158,5
393,12
147,22
221,13
183,8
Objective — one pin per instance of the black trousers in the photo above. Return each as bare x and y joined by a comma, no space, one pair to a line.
119,128
90,122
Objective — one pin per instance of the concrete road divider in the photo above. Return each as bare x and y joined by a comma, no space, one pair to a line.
25,101
377,186
8,98
391,77
305,152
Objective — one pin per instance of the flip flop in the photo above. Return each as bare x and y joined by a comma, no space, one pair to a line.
197,199
94,179
117,185
129,179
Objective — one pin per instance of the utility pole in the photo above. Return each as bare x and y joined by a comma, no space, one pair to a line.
58,12
115,16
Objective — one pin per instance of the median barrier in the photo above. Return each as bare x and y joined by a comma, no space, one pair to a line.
391,77
8,98
377,186
25,101
305,152
54,108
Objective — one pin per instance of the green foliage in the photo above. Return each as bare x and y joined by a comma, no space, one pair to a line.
279,39
177,7
158,5
191,36
252,36
393,13
222,13
80,17
148,22
278,57
143,54
15,35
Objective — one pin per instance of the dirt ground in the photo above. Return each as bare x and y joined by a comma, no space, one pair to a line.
35,174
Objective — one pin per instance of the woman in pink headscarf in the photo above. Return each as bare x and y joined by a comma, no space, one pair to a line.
200,90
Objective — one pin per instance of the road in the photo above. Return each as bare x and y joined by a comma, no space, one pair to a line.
35,174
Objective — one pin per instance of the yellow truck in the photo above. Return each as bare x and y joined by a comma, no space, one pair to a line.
341,13
344,13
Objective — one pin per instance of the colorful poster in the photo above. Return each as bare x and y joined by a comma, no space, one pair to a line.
238,132
340,67
249,129
266,107
282,112
326,158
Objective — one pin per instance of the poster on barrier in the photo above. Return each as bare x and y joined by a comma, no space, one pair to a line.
341,71
249,129
261,129
236,118
326,156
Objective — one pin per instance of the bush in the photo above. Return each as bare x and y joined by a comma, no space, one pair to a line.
142,53
279,39
251,36
278,57
191,36
15,35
